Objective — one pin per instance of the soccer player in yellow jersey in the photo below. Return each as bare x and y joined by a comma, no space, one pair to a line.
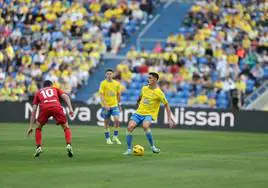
110,100
148,108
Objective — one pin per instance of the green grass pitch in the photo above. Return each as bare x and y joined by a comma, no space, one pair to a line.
189,159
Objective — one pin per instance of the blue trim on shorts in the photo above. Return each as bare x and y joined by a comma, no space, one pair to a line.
114,111
139,119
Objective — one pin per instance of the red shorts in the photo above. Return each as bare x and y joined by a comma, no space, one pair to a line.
56,112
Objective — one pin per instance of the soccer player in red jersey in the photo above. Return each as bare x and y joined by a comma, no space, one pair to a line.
48,100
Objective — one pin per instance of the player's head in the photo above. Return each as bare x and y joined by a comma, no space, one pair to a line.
47,83
153,78
109,73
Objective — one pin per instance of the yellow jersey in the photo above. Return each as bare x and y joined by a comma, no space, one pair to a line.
110,91
150,101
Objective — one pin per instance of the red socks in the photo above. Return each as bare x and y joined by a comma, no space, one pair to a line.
68,135
38,137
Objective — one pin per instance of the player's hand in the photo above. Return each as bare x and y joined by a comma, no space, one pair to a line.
71,113
29,131
171,123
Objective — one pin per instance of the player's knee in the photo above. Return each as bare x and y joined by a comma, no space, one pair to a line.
146,127
65,126
130,129
38,125
116,123
106,123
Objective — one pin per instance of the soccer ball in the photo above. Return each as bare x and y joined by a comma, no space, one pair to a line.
138,150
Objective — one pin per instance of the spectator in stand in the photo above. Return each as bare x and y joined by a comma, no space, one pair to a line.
222,48
60,40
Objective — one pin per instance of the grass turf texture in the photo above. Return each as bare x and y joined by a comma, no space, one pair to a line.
188,159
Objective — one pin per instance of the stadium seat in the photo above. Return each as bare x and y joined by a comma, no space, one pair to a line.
202,60
187,87
265,72
172,101
221,103
137,92
211,95
169,94
124,99
250,85
186,94
178,94
214,76
134,85
199,89
137,78
183,101
133,99
222,95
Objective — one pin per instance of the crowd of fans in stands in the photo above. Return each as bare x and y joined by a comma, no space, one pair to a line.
221,49
63,41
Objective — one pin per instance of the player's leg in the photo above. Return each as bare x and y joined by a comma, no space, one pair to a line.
146,126
68,138
105,114
134,121
115,113
38,139
107,131
116,129
39,123
61,119
131,126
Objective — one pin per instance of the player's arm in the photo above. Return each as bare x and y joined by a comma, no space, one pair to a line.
33,115
171,122
32,119
169,114
139,100
36,101
118,96
67,100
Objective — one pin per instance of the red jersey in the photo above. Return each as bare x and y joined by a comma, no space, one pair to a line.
48,97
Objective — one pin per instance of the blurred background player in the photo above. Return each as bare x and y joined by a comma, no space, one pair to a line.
48,100
110,100
148,107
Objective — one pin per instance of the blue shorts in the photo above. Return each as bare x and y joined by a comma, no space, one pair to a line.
106,114
139,119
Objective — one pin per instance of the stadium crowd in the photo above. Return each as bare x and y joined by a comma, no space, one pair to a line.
63,41
215,59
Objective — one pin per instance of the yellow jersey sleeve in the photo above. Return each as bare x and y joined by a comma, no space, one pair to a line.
163,98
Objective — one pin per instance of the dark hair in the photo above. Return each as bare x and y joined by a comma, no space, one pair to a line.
47,83
154,74
109,70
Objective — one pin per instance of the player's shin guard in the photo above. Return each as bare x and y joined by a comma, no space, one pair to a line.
129,140
68,135
38,137
149,137
116,130
107,133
